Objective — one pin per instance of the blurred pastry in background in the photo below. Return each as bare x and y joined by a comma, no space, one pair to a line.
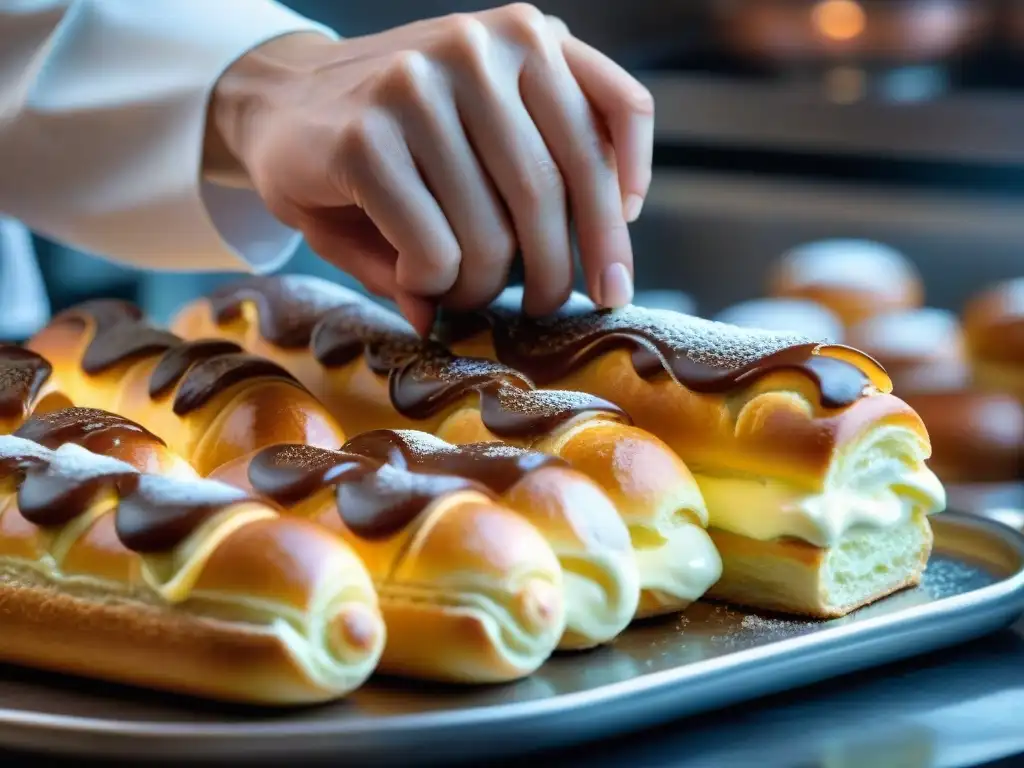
856,279
922,350
994,332
677,301
977,437
800,316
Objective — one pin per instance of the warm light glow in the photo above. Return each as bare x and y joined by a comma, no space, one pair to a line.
839,19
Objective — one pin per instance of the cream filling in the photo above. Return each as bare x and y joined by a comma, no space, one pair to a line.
681,567
876,487
602,590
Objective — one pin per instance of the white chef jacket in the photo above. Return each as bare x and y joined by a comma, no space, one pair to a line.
102,121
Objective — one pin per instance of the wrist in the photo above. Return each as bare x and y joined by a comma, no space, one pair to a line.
243,94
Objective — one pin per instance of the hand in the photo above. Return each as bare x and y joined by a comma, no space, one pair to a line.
421,159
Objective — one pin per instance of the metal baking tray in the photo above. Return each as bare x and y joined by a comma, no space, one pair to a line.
712,656
1003,502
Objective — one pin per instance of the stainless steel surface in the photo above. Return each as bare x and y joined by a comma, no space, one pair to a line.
711,657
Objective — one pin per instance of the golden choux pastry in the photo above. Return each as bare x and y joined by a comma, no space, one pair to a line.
188,586
814,474
573,514
372,371
210,401
470,591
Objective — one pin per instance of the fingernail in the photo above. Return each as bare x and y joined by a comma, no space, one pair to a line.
616,286
631,210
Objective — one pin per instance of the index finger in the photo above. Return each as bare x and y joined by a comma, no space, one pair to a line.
627,109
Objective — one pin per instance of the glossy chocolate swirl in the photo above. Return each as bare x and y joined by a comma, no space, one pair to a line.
153,514
704,356
22,376
374,500
203,368
95,430
423,377
495,465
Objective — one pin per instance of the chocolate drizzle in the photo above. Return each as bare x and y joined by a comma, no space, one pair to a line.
214,375
154,514
382,503
423,377
494,465
177,361
289,474
95,430
157,515
704,356
120,334
375,500
22,376
288,306
200,369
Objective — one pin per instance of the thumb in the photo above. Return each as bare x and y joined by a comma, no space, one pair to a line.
348,239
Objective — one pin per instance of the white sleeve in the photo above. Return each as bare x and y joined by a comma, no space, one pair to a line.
102,121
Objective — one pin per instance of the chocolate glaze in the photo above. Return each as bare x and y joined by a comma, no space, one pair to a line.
22,376
374,500
379,504
288,306
177,361
288,474
423,377
203,368
495,465
48,497
159,513
213,375
95,430
703,356
154,513
119,336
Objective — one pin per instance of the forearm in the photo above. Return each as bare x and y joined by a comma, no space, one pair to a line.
103,128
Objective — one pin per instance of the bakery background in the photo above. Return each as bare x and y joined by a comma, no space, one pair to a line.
780,123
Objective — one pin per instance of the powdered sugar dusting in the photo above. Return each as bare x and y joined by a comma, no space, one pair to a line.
72,462
438,364
315,293
306,457
160,490
544,403
705,342
12,447
395,486
423,445
21,373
